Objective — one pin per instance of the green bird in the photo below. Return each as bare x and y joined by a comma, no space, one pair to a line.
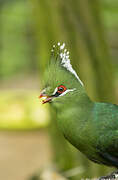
92,127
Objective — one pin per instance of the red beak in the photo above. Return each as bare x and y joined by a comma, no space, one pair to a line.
41,95
45,98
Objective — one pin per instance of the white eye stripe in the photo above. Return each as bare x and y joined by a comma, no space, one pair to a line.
56,89
68,90
65,92
43,91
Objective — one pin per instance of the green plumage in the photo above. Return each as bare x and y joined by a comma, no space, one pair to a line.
91,127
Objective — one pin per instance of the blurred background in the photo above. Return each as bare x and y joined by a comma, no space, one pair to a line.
31,147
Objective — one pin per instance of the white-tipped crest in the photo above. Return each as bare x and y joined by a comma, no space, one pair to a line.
65,60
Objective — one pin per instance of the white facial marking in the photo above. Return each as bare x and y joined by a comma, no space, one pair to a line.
56,89
43,91
65,92
68,90
44,98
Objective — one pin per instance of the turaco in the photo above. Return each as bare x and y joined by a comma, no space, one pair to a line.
92,127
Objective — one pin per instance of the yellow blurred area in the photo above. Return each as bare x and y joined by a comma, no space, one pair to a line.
22,110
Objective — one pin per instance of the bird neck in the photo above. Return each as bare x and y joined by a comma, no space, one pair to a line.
78,103
73,117
79,100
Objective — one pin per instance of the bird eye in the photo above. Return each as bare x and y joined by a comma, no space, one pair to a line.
61,89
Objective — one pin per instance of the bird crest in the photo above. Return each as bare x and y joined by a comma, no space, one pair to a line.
61,53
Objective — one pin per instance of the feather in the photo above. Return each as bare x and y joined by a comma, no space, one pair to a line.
63,54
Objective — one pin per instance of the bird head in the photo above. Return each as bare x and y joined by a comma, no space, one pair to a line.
61,82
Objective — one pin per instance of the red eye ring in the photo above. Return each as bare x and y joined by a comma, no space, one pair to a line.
61,89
